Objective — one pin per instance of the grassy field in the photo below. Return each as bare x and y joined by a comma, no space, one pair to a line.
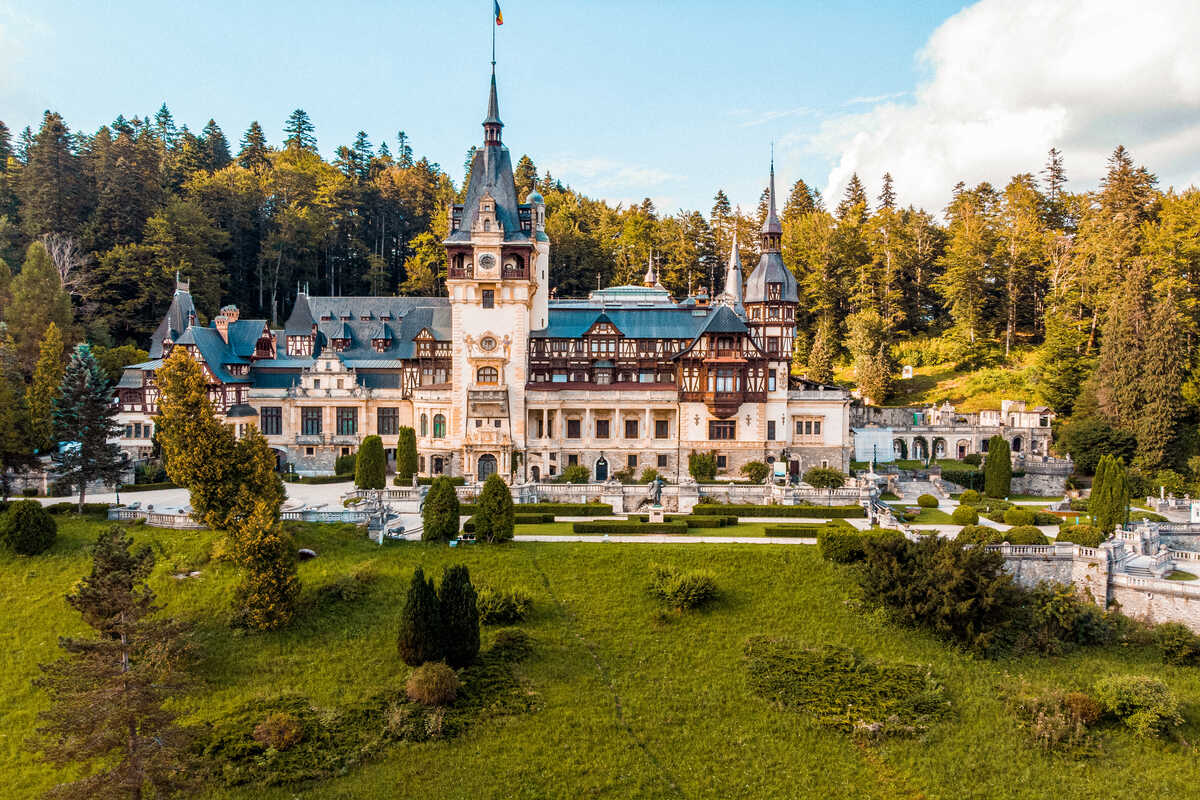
632,703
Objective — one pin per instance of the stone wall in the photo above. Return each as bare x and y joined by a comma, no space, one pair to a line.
1042,485
1156,600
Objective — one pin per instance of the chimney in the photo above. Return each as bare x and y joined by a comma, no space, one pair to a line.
231,313
221,323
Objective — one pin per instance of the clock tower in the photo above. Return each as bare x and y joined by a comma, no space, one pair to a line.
497,258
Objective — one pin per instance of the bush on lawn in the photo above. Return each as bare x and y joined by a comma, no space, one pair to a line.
1024,534
1146,705
1056,720
506,606
1018,516
432,684
440,514
979,534
844,546
28,529
494,512
927,501
1177,644
682,589
280,730
970,497
459,616
965,515
1084,535
420,637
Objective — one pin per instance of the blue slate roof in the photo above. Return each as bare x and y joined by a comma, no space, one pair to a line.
175,322
215,352
491,173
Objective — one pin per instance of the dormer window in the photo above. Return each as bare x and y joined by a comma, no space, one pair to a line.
774,291
379,344
340,344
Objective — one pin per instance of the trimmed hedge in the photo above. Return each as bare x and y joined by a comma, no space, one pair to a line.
693,521
147,487
427,480
1085,535
557,509
316,480
629,527
532,519
1024,534
817,512
1018,516
71,508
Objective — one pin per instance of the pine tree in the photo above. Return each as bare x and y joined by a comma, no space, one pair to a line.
460,617
855,196
199,451
370,465
997,468
52,185
1022,246
38,299
406,455
821,355
440,513
887,195
215,146
266,597
1054,178
43,390
1060,367
494,513
800,201
1118,375
1162,373
255,154
107,695
164,127
363,154
301,134
253,472
420,637
404,151
868,345
86,417
16,440
968,261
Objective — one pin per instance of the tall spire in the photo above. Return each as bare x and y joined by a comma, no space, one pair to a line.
732,296
772,231
650,278
492,125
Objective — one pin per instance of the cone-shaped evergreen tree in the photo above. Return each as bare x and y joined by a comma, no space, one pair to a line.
266,598
37,300
255,154
370,465
820,355
460,617
86,417
107,694
997,470
406,455
47,376
494,514
440,513
420,623
1163,362
1110,495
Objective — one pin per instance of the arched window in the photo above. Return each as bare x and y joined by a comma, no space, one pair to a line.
424,424
487,375
439,426
420,463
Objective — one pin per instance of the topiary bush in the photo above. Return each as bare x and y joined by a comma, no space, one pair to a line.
440,513
1146,705
345,465
432,684
280,730
979,534
494,511
1084,535
683,589
370,466
970,497
927,501
459,616
420,638
997,469
506,606
1018,516
28,529
1024,534
965,515
406,455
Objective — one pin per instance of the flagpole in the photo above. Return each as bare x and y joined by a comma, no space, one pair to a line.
492,20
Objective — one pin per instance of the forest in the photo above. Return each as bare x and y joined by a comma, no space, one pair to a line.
1090,297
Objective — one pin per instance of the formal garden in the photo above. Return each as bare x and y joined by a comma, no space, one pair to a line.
611,670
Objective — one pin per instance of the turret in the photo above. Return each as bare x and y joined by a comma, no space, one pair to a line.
771,292
732,296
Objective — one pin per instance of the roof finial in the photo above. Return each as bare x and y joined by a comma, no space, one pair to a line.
771,223
650,279
492,125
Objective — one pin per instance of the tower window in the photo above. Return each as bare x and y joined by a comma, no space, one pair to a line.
774,291
489,298
488,375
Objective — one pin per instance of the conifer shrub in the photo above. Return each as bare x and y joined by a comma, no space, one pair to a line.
1024,534
494,511
420,637
345,465
1085,535
267,595
997,469
506,606
682,589
406,455
973,459
970,497
1060,620
965,515
440,514
1145,705
1018,516
280,730
460,617
370,467
28,529
843,545
432,684
927,501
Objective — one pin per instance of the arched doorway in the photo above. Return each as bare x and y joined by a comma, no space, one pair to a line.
920,449
939,448
964,448
1016,444
901,449
487,466
535,473
601,469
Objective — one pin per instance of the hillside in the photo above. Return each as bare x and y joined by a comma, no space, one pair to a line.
627,701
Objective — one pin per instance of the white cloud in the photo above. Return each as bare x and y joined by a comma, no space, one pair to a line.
1009,79
752,118
603,177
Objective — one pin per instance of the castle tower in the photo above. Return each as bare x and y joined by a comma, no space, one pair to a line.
732,296
497,257
771,295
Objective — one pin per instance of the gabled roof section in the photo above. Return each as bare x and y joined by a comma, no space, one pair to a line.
176,321
771,269
604,319
244,335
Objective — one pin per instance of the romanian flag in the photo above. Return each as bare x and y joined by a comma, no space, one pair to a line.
499,16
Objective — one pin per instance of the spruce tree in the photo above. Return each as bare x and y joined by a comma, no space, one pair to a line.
215,147
1060,367
1163,368
107,695
997,469
255,152
460,617
86,418
525,176
43,390
404,151
406,455
440,513
855,196
52,185
266,597
420,637
887,194
1118,375
494,512
301,134
370,465
822,352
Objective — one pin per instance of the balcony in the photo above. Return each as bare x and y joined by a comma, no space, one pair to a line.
310,438
513,272
723,405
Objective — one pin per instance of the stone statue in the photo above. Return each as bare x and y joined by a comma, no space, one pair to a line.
656,490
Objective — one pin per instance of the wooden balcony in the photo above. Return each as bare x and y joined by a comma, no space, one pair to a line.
723,405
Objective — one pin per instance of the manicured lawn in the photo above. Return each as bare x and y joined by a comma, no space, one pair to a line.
741,529
631,703
1035,497
927,516
1181,575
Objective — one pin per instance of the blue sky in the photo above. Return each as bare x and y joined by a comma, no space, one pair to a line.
629,99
